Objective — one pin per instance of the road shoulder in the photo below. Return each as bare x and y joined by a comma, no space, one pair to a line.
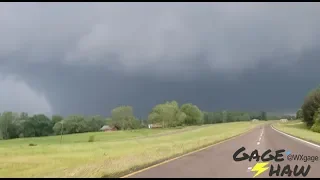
296,138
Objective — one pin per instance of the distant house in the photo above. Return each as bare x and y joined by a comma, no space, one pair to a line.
108,128
152,126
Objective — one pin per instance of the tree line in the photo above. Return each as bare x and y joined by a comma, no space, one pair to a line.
310,110
168,114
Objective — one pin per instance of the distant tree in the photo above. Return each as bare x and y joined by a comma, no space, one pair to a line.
263,115
29,128
180,118
171,115
230,117
255,115
5,122
213,117
244,117
273,117
289,117
310,106
155,117
205,117
16,128
137,124
10,125
217,117
167,114
144,123
56,118
57,128
75,124
94,123
24,116
193,114
224,116
299,114
123,117
108,121
38,125
163,114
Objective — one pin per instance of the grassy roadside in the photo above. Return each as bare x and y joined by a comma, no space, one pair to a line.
299,130
107,157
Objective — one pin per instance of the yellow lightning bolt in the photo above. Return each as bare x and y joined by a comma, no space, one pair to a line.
259,168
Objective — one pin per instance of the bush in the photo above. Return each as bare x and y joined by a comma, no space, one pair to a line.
316,126
91,138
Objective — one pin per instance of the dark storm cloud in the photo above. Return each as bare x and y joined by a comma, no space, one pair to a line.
90,57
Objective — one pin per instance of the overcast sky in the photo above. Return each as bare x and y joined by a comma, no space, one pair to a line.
87,58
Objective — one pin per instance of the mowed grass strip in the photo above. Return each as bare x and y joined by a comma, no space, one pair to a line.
99,136
299,130
112,154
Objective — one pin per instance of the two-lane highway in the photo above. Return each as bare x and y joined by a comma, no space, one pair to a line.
217,161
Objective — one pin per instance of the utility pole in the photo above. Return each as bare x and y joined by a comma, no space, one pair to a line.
61,132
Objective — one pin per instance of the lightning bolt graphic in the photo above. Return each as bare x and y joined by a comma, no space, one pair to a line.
259,168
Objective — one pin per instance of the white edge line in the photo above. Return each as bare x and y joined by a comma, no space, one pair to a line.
304,141
249,167
258,143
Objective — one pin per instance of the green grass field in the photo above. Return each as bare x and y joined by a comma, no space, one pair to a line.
298,129
112,153
99,136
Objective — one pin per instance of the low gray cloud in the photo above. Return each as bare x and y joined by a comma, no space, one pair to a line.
20,97
90,57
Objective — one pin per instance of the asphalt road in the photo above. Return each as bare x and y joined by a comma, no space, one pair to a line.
217,161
